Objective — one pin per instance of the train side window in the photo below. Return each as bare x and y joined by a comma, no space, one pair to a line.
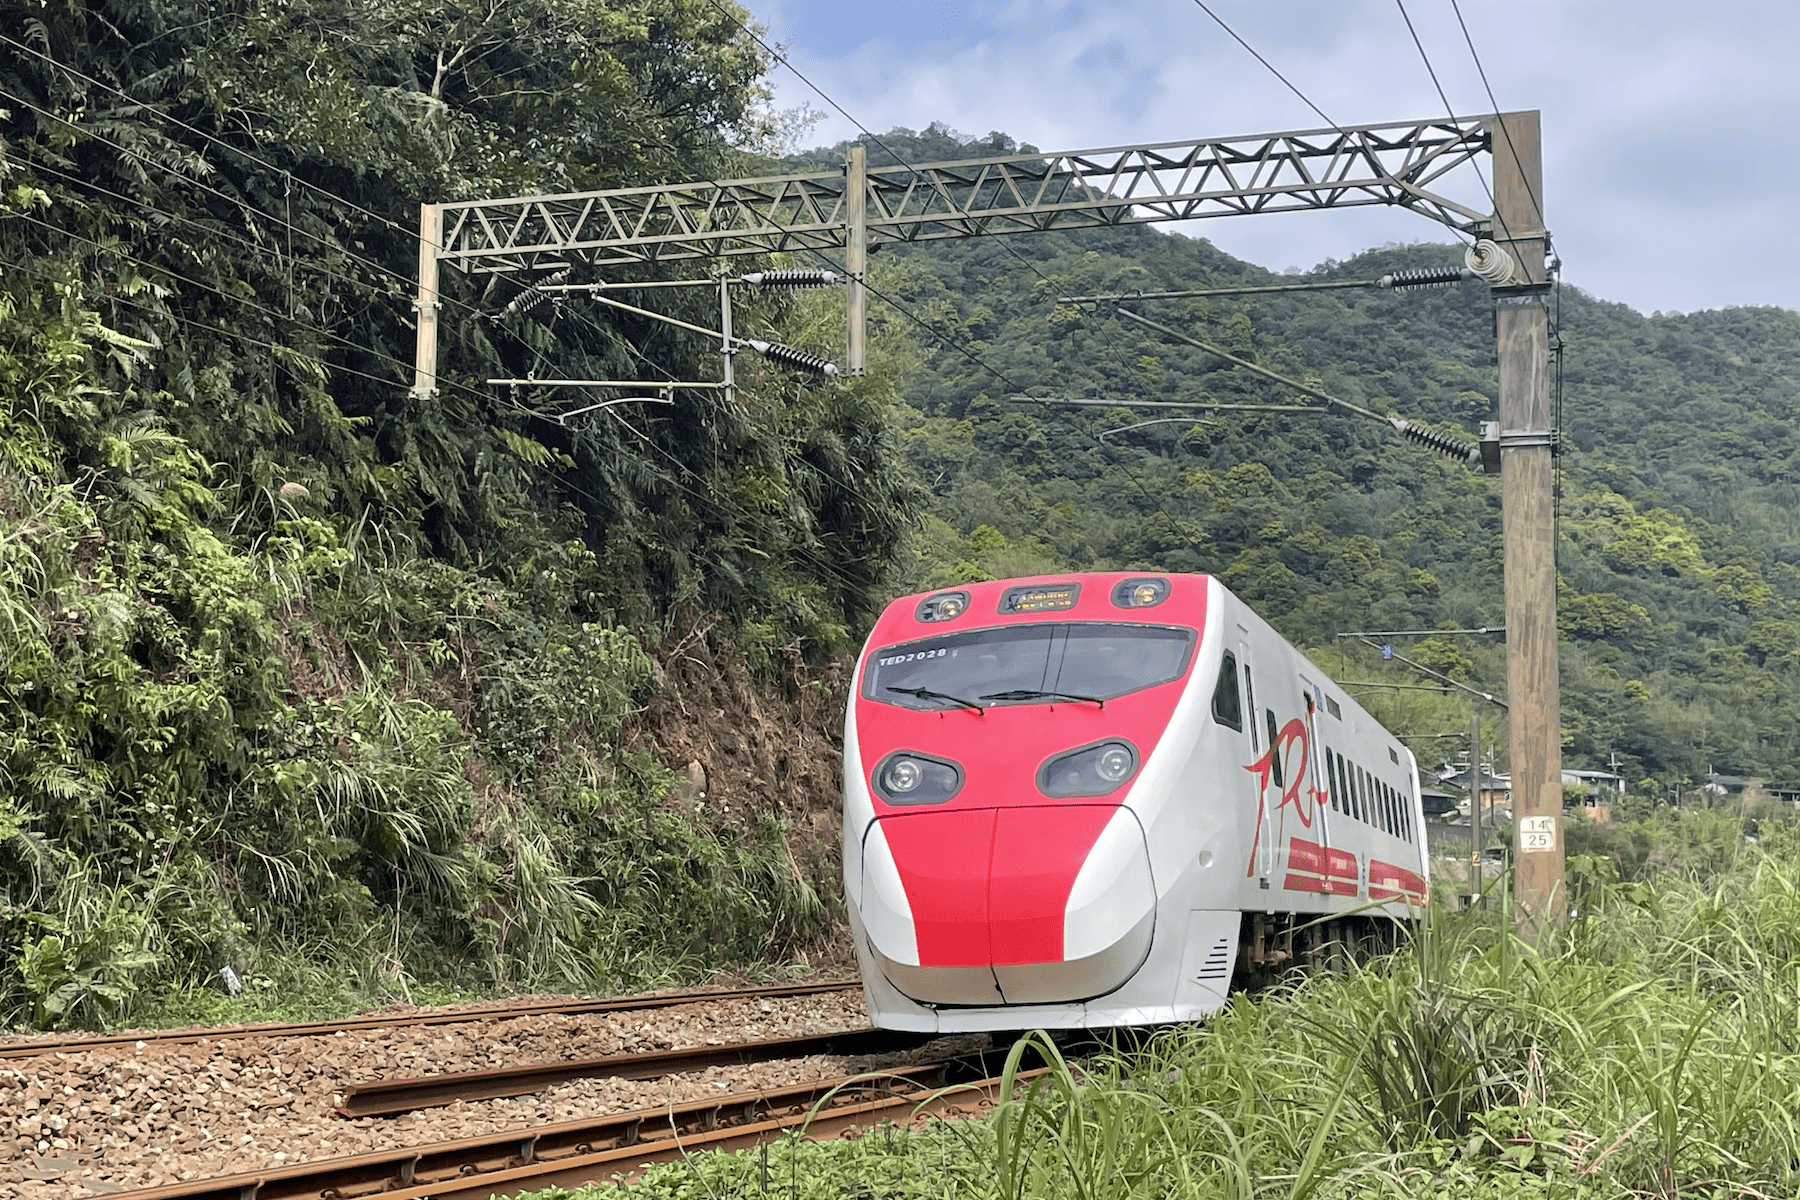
1275,748
1228,708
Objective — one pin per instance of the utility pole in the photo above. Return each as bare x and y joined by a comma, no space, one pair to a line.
425,348
856,259
1475,808
1522,324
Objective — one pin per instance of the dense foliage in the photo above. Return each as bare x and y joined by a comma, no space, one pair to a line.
305,675
1678,540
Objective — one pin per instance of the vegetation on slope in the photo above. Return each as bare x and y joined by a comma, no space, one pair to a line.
307,676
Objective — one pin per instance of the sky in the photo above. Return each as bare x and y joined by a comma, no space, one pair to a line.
1670,129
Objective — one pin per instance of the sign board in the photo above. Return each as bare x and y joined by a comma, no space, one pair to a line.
1537,833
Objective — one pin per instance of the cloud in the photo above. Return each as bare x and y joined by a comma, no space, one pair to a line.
1667,128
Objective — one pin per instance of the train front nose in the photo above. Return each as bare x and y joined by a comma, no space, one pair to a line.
1034,905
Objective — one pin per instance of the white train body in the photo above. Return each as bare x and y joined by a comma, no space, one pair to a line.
1091,800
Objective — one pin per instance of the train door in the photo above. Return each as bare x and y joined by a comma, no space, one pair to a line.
1267,795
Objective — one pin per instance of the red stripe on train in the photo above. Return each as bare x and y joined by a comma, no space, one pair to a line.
1336,876
1389,882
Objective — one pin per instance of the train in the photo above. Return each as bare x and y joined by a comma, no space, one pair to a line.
1105,799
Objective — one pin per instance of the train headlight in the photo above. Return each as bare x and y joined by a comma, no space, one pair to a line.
1140,593
1090,771
905,777
945,606
1114,764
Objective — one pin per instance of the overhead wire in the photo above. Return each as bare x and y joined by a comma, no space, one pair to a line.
208,327
245,301
1304,98
1448,107
1505,133
240,202
213,139
290,228
938,335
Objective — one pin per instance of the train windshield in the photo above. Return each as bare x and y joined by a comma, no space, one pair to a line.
1028,664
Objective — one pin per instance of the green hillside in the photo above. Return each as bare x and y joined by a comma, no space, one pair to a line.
1678,532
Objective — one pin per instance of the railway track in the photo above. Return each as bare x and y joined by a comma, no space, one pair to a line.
33,1049
616,1147
390,1096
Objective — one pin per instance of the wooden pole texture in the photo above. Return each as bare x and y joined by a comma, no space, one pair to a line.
1522,322
856,259
425,349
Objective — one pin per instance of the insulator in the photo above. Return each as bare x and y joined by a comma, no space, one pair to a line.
1443,443
790,357
1490,262
534,295
793,279
1425,277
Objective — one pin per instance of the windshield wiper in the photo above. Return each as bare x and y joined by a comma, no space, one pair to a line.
928,694
1033,694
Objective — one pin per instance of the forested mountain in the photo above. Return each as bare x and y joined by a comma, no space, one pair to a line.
1678,531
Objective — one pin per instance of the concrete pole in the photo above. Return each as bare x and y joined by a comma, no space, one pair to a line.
856,259
425,350
1532,688
727,348
1475,809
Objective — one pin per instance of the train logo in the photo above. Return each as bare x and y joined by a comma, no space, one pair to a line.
1049,783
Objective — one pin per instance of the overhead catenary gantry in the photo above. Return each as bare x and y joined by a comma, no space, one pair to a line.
1394,164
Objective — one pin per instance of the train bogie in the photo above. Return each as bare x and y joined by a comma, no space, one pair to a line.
1095,800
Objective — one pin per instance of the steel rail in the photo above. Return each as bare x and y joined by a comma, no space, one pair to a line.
389,1096
600,1149
33,1049
472,1158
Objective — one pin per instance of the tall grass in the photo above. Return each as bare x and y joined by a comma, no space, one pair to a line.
1645,1049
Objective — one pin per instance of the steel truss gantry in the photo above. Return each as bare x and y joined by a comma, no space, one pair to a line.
1391,164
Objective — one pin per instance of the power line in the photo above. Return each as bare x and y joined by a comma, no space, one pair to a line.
1220,21
237,201
845,113
246,301
189,321
174,120
1504,132
1448,107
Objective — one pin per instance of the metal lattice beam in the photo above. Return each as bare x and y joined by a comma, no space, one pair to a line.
1391,164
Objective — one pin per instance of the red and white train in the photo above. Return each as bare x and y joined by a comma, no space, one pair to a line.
1091,800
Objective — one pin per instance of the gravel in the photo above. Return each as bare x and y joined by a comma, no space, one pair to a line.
115,1118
